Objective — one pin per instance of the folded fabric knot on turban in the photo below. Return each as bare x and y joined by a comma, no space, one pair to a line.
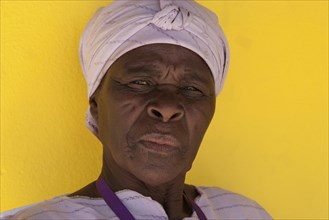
125,25
171,17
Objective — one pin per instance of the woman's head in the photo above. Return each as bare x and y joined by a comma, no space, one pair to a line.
125,25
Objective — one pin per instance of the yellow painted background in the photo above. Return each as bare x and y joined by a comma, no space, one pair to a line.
268,139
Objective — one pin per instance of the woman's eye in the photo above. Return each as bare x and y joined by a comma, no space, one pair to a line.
190,88
140,85
140,82
192,91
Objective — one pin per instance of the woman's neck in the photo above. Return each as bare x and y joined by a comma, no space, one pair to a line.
169,195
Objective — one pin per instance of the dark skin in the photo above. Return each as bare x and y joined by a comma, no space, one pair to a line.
153,107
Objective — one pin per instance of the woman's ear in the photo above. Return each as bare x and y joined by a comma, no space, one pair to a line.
93,107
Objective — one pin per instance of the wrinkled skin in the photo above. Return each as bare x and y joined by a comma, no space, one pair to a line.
153,107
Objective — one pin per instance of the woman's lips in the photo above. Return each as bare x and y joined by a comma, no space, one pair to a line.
159,142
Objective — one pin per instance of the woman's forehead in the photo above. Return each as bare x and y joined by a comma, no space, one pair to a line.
152,58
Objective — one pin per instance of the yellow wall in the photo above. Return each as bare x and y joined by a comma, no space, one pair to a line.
268,139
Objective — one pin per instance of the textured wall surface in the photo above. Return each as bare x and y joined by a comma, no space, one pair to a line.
268,139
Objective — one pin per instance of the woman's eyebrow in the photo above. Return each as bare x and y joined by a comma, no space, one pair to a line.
148,69
142,68
191,75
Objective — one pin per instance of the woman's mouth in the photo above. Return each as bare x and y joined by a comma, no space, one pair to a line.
159,142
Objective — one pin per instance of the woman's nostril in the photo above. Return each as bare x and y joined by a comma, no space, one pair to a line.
156,113
175,115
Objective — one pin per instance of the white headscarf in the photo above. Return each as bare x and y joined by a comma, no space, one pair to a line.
126,25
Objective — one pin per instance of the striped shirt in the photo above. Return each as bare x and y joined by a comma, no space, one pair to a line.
215,202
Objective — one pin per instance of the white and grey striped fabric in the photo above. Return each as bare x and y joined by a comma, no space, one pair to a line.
216,203
125,25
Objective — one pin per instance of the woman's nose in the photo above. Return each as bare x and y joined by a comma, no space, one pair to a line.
166,107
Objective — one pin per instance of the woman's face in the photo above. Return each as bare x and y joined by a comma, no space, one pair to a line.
153,108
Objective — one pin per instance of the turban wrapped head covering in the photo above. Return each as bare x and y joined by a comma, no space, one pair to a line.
127,24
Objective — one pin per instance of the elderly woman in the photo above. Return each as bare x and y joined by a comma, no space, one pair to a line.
153,70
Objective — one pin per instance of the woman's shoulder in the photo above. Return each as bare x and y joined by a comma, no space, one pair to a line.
217,203
226,204
61,207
